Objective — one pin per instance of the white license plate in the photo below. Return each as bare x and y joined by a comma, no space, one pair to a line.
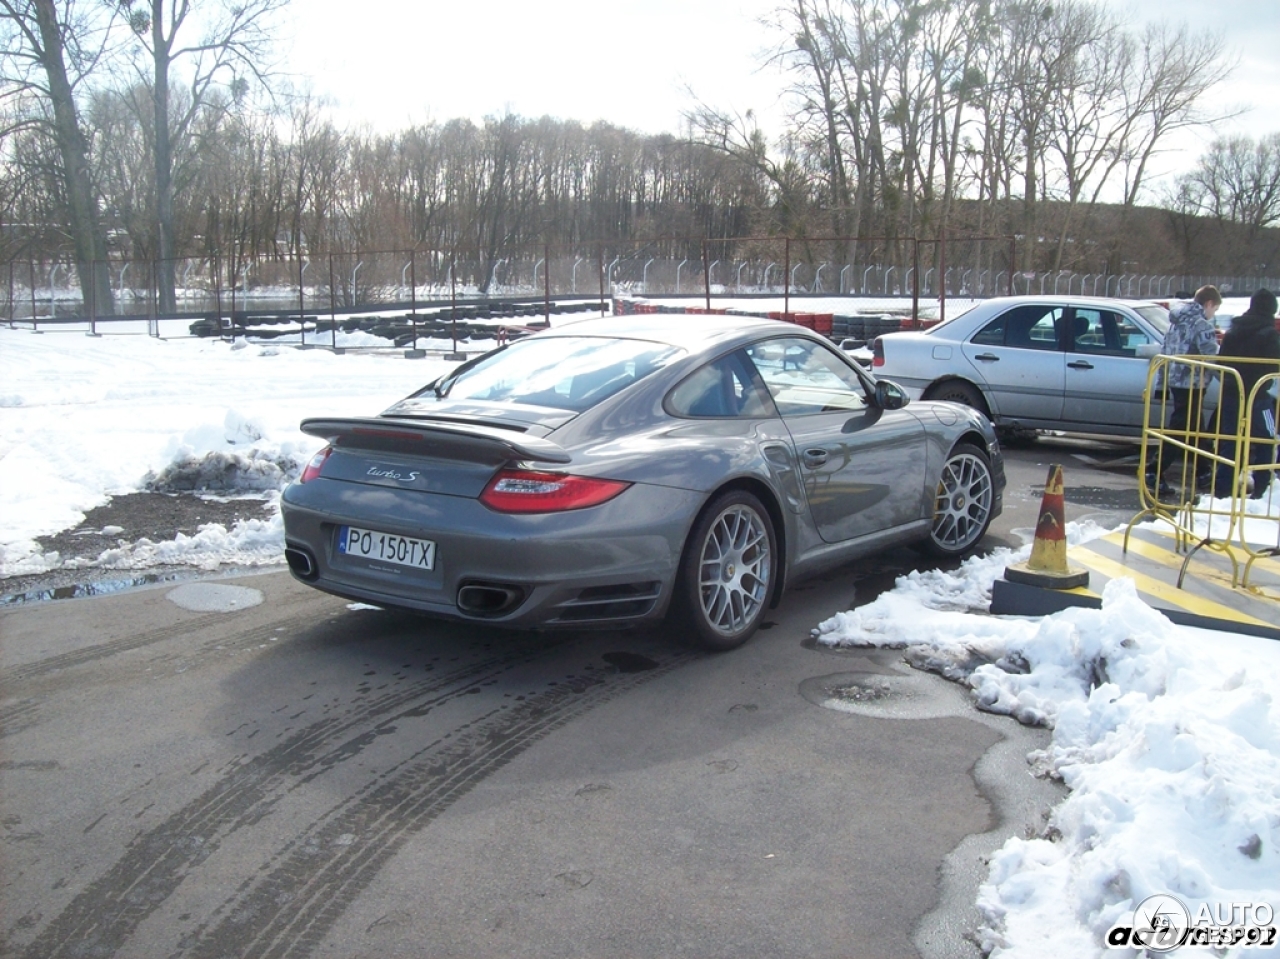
387,547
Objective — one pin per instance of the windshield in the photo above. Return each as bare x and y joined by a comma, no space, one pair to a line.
562,372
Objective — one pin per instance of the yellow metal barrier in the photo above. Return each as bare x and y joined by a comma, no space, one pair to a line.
1182,463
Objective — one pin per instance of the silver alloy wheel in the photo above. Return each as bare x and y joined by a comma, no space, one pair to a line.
962,508
733,569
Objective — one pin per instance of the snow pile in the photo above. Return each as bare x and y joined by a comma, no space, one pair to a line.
220,470
1168,738
87,418
251,542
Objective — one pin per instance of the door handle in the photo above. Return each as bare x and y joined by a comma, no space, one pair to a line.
986,356
1080,365
813,458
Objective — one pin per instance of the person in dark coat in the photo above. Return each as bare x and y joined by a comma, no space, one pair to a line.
1252,336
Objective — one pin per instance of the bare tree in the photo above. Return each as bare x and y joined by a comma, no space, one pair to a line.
740,137
229,50
40,40
1238,179
1166,93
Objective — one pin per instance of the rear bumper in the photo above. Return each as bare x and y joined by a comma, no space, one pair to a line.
613,563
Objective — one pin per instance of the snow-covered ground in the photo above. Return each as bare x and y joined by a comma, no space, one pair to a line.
1168,737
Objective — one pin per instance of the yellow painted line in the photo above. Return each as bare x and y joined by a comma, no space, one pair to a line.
1166,593
1266,563
1081,591
1200,568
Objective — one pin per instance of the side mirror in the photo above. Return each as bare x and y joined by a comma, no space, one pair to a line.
890,396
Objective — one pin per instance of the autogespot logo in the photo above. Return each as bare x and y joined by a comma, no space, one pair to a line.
1162,923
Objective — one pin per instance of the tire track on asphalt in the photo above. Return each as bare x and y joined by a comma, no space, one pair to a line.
286,913
18,681
15,717
20,677
101,918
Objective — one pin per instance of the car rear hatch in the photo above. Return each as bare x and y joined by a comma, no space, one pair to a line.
503,415
436,456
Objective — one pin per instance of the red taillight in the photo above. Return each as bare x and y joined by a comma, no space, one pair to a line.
312,469
530,491
877,352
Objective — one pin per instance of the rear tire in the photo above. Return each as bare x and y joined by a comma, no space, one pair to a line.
727,572
958,391
962,504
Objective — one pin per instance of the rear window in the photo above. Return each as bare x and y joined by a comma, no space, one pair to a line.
1156,315
561,372
1032,326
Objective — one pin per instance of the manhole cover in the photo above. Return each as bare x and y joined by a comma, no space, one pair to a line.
213,597
912,695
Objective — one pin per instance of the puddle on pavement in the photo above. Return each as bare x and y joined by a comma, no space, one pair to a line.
99,584
1099,497
100,588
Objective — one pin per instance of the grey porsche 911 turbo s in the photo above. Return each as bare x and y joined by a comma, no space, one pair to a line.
614,471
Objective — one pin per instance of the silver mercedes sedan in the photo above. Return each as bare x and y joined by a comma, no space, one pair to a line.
620,470
1071,363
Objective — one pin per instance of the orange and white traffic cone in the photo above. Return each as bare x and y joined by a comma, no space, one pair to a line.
1047,566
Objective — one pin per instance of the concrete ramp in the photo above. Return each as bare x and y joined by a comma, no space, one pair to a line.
1153,560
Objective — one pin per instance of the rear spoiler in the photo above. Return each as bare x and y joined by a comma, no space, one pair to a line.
437,438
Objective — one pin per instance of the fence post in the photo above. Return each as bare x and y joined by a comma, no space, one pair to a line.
153,324
413,294
600,273
546,281
333,313
93,297
302,308
453,299
706,276
942,270
915,278
786,277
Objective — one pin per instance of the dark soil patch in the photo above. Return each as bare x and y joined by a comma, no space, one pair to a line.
158,517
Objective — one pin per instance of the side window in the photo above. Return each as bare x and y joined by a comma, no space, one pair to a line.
806,377
1102,331
1089,335
1130,336
1028,327
725,388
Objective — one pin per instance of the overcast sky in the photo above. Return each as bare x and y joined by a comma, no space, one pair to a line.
390,63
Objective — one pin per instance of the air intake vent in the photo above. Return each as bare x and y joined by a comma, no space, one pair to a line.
623,601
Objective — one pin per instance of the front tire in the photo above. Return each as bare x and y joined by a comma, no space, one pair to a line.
727,572
962,503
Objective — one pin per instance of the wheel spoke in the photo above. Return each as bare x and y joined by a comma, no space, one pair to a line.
733,569
963,502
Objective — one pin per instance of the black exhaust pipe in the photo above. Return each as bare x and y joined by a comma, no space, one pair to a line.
301,562
489,599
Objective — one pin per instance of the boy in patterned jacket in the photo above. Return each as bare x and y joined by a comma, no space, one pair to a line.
1191,333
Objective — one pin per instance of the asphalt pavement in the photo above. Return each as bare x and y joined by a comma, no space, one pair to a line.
243,766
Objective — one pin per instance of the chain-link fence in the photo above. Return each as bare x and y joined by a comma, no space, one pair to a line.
351,282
